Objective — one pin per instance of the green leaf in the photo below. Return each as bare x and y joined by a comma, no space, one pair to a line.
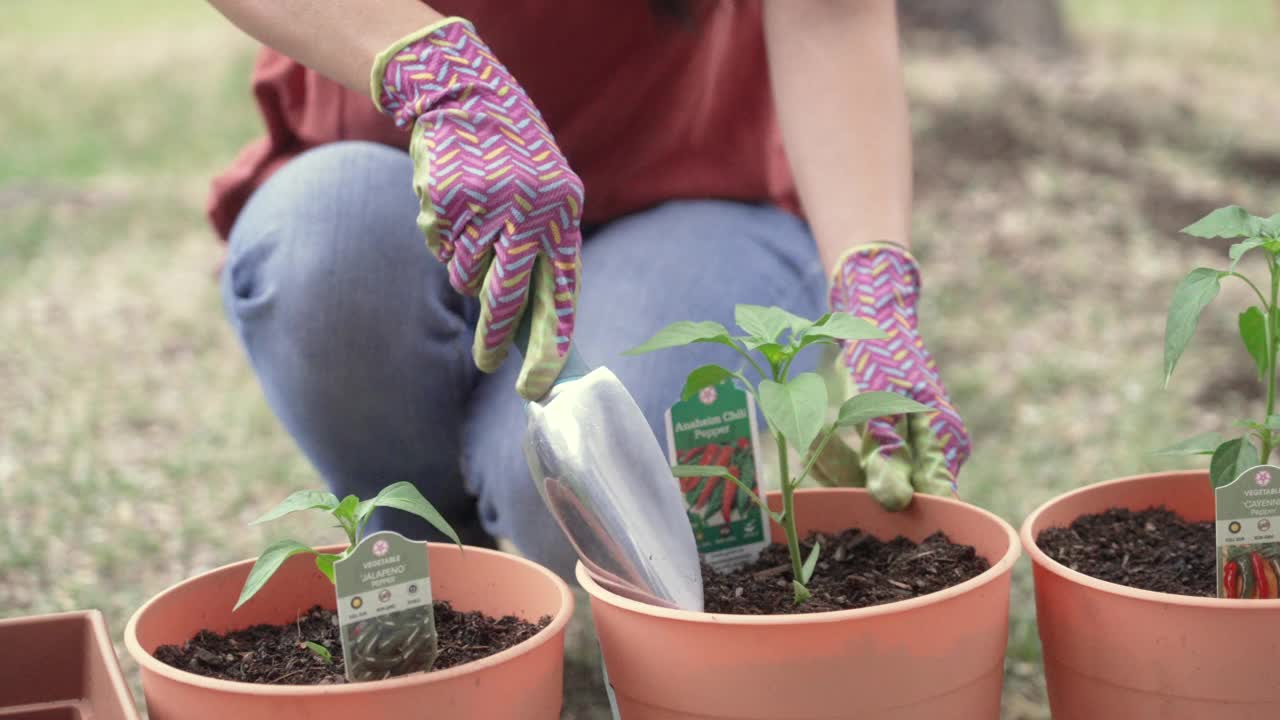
795,408
799,324
703,377
1258,429
1227,222
684,332
765,323
843,326
1230,459
325,561
773,352
405,496
802,592
1253,331
1191,297
347,509
321,651
267,564
1202,444
301,500
1238,250
806,572
1271,226
868,405
1273,422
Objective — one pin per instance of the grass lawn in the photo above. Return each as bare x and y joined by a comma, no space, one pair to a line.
135,445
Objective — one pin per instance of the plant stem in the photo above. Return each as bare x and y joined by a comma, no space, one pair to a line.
746,384
813,457
350,529
788,509
1271,311
742,350
786,364
1261,298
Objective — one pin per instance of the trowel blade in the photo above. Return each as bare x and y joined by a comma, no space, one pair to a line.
600,470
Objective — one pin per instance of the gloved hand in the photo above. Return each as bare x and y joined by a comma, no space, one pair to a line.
499,204
893,457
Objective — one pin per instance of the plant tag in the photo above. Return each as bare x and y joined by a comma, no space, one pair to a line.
718,427
1248,534
608,687
385,615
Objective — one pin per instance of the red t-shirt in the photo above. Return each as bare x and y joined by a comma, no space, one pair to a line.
645,110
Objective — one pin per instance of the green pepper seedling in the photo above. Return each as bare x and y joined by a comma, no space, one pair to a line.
1259,330
320,651
352,515
794,408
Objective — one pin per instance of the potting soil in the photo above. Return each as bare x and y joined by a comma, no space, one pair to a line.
854,570
1152,549
278,655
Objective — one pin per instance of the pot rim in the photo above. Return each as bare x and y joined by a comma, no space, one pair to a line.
1001,567
1041,559
148,663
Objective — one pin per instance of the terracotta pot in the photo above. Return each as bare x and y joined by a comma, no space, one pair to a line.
61,666
937,656
525,681
1113,651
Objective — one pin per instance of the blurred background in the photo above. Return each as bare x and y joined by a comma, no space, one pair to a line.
1059,148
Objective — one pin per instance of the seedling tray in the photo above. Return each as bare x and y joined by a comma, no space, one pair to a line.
61,667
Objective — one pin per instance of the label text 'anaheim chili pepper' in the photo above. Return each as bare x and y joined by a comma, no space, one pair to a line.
718,428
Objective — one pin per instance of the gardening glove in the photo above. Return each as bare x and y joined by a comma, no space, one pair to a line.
499,204
893,457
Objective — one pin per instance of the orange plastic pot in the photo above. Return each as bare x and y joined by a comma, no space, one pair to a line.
937,656
1114,651
61,667
525,681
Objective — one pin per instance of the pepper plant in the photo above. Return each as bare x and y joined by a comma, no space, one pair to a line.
352,515
794,406
1259,327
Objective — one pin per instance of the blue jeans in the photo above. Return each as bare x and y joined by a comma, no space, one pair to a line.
363,350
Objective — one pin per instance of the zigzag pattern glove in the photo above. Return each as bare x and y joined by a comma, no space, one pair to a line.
881,283
500,205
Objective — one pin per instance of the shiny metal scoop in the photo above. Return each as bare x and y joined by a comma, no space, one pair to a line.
603,475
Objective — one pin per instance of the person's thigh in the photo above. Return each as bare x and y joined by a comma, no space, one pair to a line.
360,345
687,260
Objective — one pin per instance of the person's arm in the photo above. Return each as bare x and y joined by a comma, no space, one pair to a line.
837,82
337,38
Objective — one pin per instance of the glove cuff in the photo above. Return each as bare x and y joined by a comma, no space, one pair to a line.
406,57
865,275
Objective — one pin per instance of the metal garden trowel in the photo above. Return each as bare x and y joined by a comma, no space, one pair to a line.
604,477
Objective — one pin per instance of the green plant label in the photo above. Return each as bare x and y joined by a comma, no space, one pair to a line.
1248,534
718,427
384,608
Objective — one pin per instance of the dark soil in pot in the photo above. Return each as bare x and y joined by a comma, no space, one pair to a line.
277,655
1152,549
854,570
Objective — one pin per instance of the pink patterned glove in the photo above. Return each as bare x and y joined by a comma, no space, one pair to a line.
499,204
923,452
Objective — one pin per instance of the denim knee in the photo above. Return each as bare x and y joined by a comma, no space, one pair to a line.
361,346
